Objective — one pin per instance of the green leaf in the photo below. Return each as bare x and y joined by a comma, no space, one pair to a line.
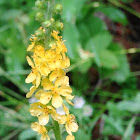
81,135
112,126
123,71
98,44
27,134
100,41
71,35
130,105
113,13
85,67
108,60
95,25
84,32
70,8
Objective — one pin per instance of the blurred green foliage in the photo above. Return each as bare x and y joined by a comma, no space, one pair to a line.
90,46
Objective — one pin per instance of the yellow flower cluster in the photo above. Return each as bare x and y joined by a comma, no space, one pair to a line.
50,84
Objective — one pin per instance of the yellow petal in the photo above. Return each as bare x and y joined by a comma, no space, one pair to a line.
30,62
38,94
39,51
43,119
30,46
54,116
43,137
73,126
30,78
37,60
47,85
55,74
70,137
66,109
35,111
57,100
35,126
66,63
48,138
67,99
61,119
59,81
29,94
35,104
68,129
65,81
38,78
45,97
44,69
65,90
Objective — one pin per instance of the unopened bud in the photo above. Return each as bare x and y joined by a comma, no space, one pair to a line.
39,16
47,23
59,25
52,21
58,8
39,4
39,33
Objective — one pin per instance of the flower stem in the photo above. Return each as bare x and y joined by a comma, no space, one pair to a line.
56,130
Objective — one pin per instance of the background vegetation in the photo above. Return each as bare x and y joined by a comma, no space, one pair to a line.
102,38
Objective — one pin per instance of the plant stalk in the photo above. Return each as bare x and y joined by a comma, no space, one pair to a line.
56,130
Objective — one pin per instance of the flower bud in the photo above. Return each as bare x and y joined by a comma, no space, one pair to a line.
39,33
39,16
52,21
59,25
47,23
58,8
39,4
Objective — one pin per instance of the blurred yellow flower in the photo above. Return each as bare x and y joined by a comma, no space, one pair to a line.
41,130
71,125
70,137
59,88
42,112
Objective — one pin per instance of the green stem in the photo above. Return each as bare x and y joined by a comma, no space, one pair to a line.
48,16
56,130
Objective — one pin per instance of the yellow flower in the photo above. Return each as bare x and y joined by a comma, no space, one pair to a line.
71,125
34,75
42,112
31,46
70,137
30,93
59,45
39,51
41,130
60,87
